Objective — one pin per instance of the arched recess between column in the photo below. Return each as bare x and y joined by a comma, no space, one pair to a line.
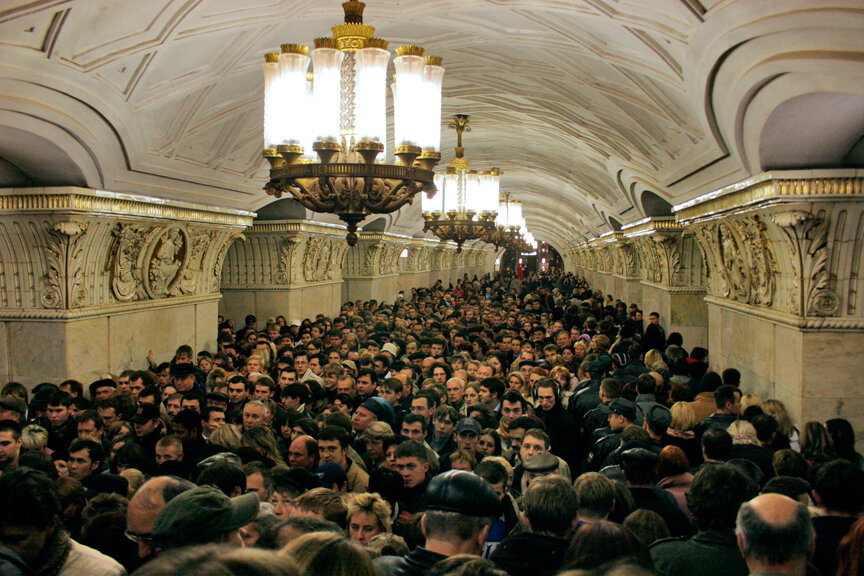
39,153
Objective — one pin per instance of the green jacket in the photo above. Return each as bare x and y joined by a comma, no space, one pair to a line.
709,553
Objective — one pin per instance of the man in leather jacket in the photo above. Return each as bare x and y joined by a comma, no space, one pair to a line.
459,509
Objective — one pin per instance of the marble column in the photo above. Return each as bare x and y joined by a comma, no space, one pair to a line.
291,268
784,267
672,276
415,265
372,267
90,281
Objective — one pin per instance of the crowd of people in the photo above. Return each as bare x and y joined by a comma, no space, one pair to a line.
494,427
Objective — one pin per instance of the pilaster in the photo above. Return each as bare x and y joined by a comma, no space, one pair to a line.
372,267
655,264
288,267
784,278
89,280
672,277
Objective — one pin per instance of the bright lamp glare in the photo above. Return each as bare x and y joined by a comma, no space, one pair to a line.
370,97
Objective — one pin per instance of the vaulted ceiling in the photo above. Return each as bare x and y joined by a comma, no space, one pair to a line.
595,110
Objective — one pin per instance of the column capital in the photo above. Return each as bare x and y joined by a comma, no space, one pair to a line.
75,253
286,254
785,246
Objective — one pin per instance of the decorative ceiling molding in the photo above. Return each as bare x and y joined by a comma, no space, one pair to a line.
584,104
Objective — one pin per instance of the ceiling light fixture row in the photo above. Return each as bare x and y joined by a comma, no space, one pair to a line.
510,231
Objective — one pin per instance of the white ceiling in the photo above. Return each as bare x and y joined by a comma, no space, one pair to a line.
583,104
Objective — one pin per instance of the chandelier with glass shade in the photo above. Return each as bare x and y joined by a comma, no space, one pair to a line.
325,125
466,204
505,233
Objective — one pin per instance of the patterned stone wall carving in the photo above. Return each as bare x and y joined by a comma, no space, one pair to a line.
656,252
286,254
323,258
786,249
740,261
794,249
152,262
76,253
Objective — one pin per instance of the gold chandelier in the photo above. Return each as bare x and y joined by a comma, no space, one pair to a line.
510,230
467,201
339,112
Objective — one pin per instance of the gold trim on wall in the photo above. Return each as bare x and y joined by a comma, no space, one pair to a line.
768,187
70,199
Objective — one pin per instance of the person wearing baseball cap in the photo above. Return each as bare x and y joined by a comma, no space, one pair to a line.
204,515
622,413
148,428
658,418
460,507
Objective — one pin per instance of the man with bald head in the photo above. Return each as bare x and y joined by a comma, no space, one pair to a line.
775,535
303,453
145,505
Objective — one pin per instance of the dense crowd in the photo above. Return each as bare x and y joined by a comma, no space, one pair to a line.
492,427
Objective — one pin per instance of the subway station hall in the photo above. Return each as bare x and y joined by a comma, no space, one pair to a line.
175,171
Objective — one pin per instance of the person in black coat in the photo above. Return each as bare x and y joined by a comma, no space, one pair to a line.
550,507
638,466
560,425
654,337
455,500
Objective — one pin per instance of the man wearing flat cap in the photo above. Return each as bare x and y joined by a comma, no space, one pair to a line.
13,408
204,515
622,414
184,378
102,389
460,507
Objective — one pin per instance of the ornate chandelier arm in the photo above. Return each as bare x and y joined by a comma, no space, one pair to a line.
328,192
305,196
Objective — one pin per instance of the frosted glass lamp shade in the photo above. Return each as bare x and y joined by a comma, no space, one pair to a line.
370,96
326,93
408,102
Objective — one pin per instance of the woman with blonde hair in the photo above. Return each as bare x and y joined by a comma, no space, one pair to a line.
228,436
580,350
742,433
561,375
263,440
680,432
256,363
785,425
470,397
267,350
748,400
34,437
745,444
515,381
216,379
652,357
566,384
328,554
368,515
